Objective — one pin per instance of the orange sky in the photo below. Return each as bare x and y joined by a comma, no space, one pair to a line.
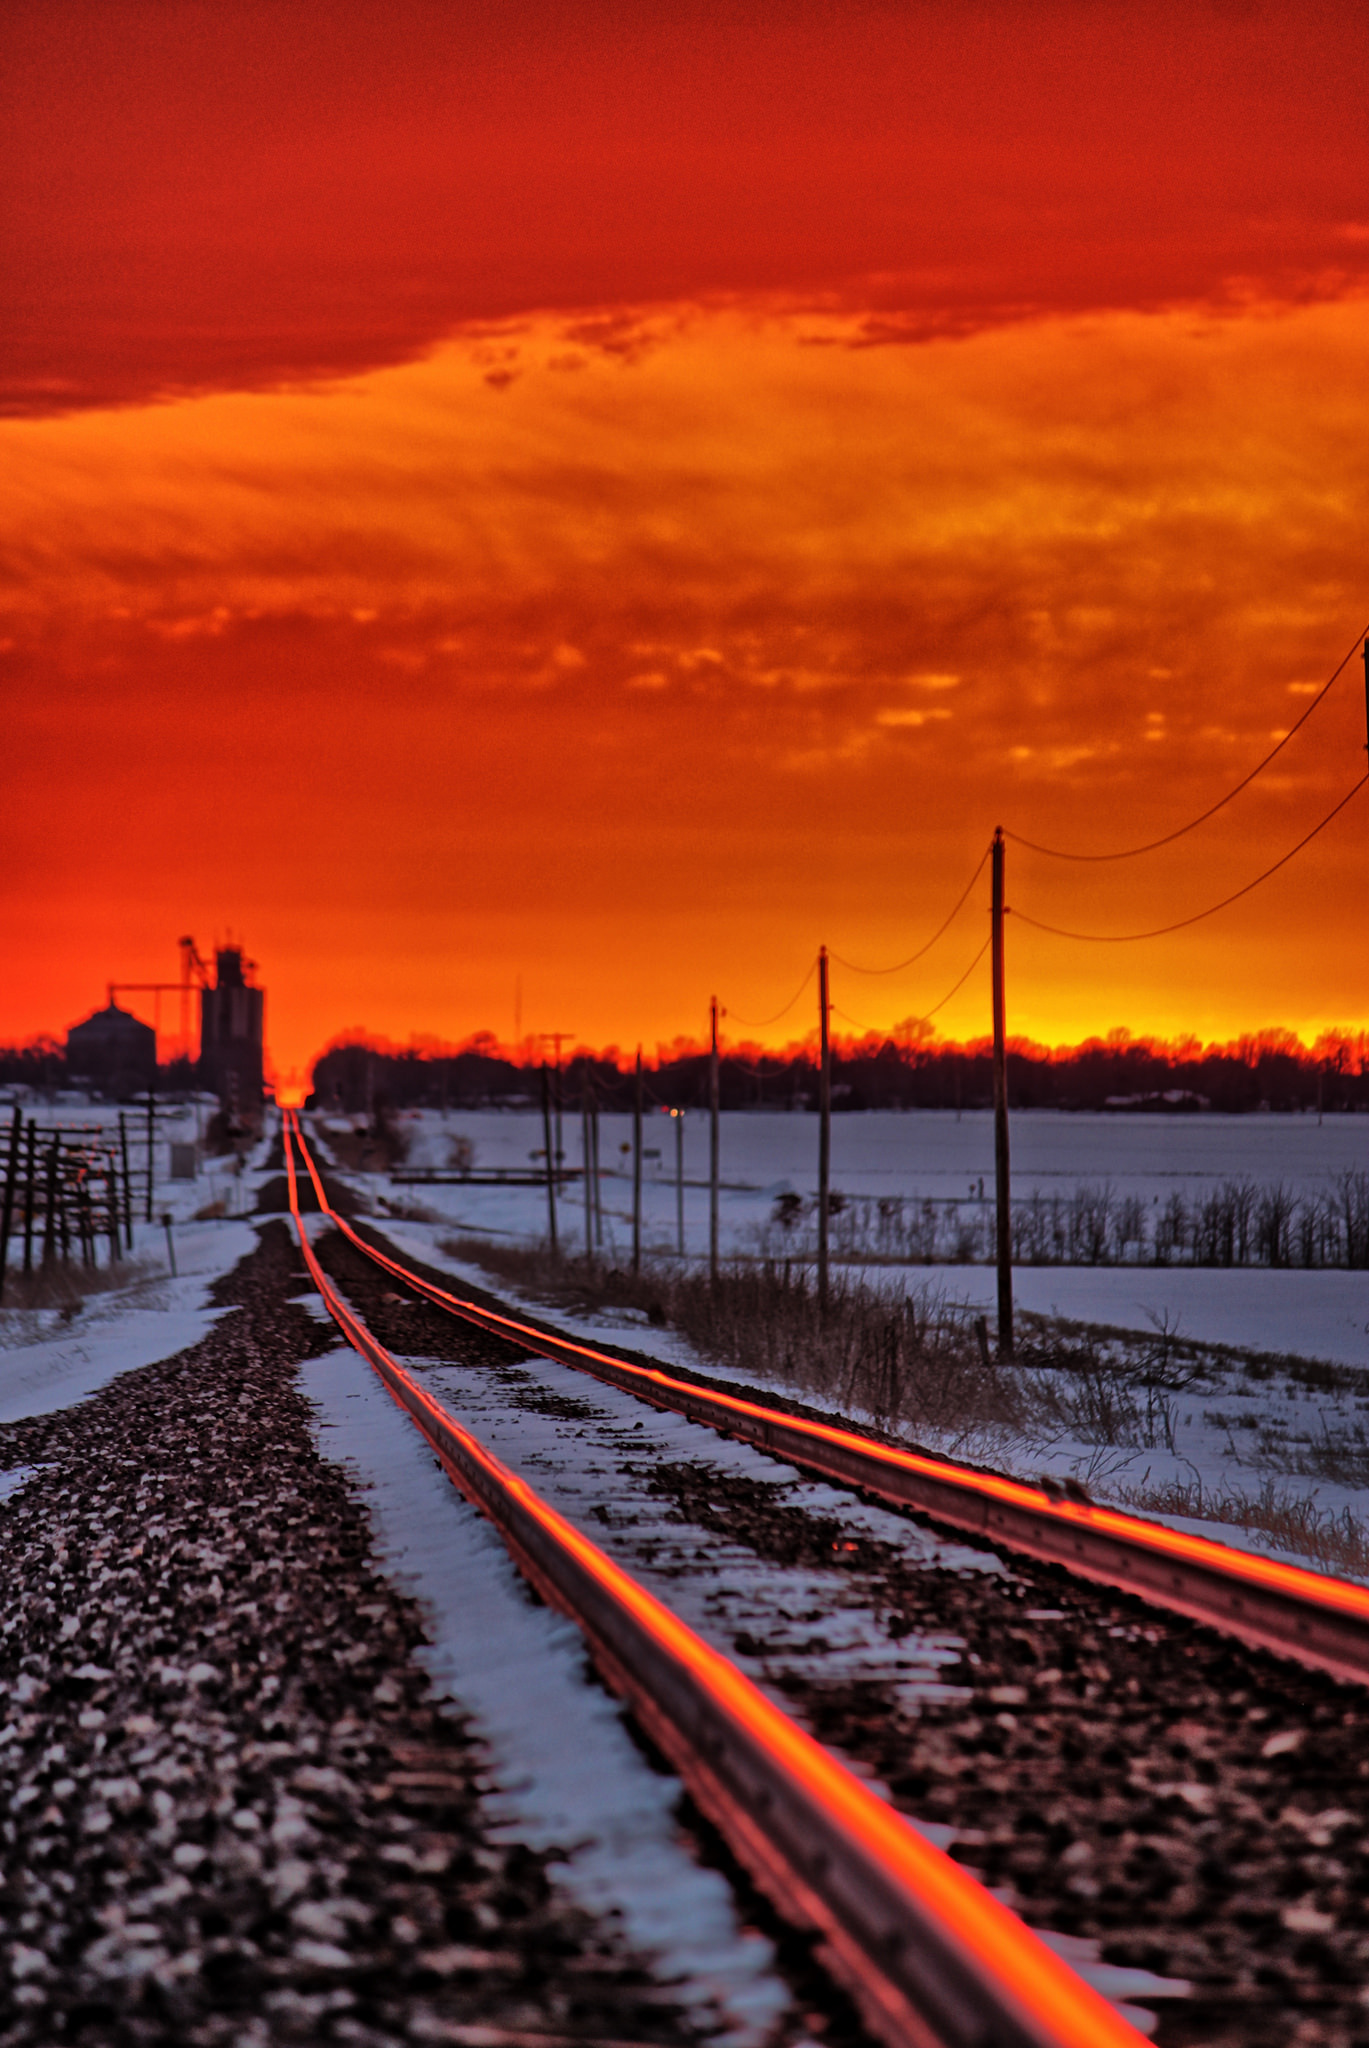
533,493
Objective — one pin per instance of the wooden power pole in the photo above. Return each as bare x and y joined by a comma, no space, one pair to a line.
587,1156
713,1144
550,1159
824,1124
637,1168
1000,1111
677,1117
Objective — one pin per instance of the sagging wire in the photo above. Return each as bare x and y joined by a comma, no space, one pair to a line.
760,1023
899,965
1162,931
1150,846
925,1016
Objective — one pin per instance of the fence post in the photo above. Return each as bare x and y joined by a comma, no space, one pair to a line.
30,1162
151,1140
64,1212
50,1205
128,1186
112,1207
7,1212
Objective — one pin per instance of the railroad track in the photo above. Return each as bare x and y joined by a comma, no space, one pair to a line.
931,1958
1315,1619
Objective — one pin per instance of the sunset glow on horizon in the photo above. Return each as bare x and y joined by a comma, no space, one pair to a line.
551,621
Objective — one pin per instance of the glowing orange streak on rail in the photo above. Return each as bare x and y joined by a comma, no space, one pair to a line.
1003,1946
1315,1588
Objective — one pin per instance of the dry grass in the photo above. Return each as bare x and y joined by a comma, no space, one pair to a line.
1291,1522
916,1367
914,1364
67,1287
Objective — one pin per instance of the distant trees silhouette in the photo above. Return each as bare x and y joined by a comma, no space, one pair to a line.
1269,1070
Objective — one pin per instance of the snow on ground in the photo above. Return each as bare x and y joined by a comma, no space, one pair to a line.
927,1152
1233,1434
934,1154
567,1772
519,1669
53,1358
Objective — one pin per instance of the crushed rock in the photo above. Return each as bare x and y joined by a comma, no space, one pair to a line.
233,1813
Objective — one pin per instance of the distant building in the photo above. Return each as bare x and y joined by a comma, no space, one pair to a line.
113,1052
231,1019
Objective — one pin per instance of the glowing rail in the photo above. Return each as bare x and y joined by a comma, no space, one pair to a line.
1297,1613
932,1959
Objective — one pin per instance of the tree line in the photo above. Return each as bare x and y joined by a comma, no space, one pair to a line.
1264,1071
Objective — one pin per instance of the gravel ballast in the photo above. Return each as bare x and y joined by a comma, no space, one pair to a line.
1121,1775
234,1812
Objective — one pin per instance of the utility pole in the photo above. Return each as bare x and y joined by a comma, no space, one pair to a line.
112,1207
824,1124
556,1039
713,1144
637,1168
598,1182
677,1117
1000,1110
551,1163
586,1154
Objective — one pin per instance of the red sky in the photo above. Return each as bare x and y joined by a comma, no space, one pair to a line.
616,500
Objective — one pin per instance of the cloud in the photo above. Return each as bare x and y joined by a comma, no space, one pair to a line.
755,641
311,191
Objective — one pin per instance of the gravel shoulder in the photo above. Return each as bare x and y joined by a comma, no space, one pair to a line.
234,1810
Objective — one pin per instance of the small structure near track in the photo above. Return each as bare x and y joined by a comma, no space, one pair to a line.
112,1051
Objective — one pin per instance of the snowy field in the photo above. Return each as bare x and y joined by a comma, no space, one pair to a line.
1282,1439
1320,1314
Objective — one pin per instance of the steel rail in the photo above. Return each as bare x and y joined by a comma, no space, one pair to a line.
932,1959
1306,1615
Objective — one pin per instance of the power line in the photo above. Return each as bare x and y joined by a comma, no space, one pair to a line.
759,1023
1126,938
956,987
1130,852
855,1021
925,1016
898,968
